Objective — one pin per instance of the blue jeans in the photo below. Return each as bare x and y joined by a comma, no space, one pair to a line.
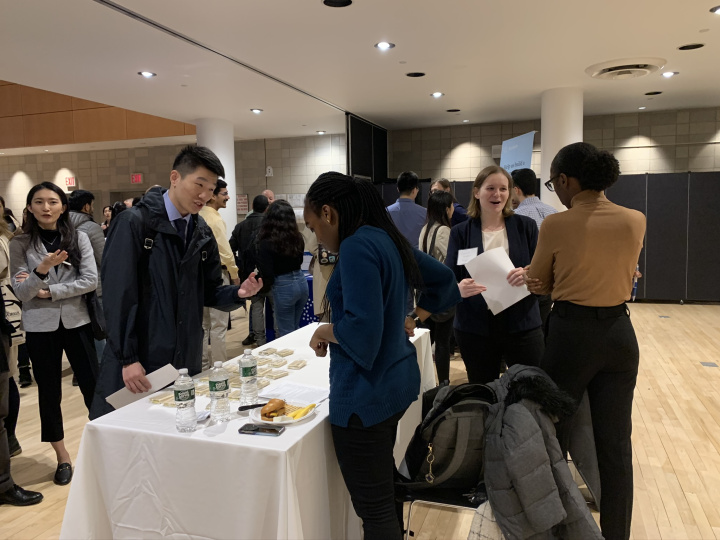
290,294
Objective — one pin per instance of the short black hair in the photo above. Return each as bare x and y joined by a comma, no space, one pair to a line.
220,184
526,180
260,204
79,198
406,182
594,169
191,157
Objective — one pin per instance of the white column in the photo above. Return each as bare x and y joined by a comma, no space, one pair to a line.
561,123
219,137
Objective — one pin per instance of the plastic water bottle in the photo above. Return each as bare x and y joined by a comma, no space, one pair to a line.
248,378
219,392
185,417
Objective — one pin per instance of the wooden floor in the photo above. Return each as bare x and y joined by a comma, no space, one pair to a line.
676,437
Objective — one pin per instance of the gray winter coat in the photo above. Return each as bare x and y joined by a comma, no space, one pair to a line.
84,222
529,484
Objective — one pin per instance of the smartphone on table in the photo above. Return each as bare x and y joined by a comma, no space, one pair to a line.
261,429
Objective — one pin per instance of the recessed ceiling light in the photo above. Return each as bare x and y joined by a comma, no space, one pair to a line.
669,74
46,150
321,133
437,95
465,121
2,153
715,10
337,3
453,110
655,93
415,74
691,46
384,45
147,74
642,108
256,111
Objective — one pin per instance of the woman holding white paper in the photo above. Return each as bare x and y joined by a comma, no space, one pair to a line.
515,334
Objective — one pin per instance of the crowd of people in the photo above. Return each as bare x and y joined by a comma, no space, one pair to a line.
171,273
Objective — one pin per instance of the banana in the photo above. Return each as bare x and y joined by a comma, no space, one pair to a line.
297,415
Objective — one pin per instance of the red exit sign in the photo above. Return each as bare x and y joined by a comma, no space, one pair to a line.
136,178
70,181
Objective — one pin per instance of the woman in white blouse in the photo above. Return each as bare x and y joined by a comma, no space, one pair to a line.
434,238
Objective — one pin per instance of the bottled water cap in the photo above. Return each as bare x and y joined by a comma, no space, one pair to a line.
182,371
248,351
218,364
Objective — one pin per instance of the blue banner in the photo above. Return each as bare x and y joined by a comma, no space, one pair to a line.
517,152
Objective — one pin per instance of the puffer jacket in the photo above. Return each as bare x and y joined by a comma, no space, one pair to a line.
529,484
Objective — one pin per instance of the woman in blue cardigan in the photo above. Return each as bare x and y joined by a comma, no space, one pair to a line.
513,335
374,374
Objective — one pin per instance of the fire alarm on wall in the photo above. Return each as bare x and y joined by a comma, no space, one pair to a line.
269,171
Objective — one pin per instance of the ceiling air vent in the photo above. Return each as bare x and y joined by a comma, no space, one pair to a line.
627,68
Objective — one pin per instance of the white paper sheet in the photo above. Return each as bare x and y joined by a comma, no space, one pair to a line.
297,394
465,255
490,269
159,379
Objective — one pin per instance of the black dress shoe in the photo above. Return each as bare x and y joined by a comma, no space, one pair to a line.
25,380
63,474
17,496
249,340
75,381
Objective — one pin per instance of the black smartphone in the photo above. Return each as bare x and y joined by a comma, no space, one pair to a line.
261,429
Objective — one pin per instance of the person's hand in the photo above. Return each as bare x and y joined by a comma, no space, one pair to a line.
21,276
52,259
134,378
43,293
468,288
235,281
250,287
410,326
534,285
516,277
103,226
319,343
637,274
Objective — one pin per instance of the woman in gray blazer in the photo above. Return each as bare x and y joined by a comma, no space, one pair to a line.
52,266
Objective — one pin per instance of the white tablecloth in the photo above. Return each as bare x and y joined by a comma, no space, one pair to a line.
137,477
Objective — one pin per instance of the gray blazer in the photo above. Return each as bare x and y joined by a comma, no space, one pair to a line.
66,286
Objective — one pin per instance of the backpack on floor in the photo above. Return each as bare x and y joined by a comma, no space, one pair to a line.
446,451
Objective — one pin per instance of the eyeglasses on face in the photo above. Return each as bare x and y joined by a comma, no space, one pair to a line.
549,184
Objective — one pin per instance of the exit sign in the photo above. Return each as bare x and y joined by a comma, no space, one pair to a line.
136,178
70,181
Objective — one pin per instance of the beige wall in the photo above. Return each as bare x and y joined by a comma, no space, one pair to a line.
296,162
667,141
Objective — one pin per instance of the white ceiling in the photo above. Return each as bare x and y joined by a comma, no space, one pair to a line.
491,58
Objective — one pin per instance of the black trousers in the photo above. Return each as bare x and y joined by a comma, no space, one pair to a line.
13,407
6,481
483,355
365,455
596,349
45,349
440,333
545,304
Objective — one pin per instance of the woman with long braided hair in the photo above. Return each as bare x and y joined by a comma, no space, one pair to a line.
374,374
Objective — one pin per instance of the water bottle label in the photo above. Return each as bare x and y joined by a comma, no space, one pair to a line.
250,371
219,386
185,395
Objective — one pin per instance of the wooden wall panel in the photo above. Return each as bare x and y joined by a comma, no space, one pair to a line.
145,126
190,129
10,100
11,132
49,128
106,124
4,83
36,101
80,104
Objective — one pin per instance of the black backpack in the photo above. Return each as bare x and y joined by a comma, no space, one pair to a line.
446,451
248,258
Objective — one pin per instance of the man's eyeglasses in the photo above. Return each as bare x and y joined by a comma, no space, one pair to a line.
549,184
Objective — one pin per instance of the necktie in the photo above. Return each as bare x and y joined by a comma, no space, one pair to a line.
180,225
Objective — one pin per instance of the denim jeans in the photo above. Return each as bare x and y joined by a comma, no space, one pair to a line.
290,293
257,316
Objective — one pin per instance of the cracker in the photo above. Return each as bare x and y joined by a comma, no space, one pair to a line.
262,360
278,362
268,351
262,383
297,364
277,374
261,372
285,352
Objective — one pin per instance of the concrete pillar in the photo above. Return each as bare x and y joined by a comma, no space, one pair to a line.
218,136
561,123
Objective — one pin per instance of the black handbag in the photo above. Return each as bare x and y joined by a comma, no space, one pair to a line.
443,316
97,317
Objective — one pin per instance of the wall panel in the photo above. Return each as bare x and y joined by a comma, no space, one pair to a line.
10,100
48,129
106,124
11,132
145,126
36,101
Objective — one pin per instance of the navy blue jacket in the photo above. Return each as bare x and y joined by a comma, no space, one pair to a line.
473,315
